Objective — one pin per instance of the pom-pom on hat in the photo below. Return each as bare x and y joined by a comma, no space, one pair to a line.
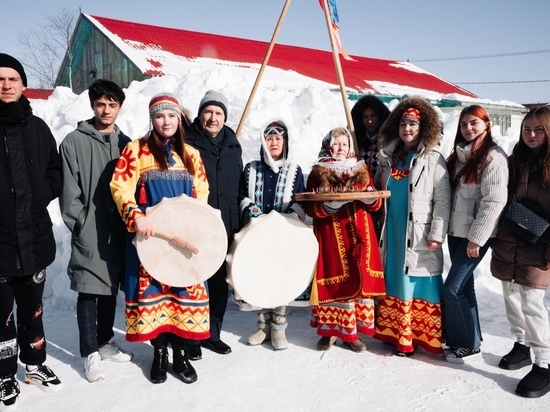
164,101
8,61
212,97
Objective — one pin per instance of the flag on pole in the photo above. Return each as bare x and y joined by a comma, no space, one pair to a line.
335,20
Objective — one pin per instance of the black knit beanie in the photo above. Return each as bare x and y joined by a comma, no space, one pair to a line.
8,61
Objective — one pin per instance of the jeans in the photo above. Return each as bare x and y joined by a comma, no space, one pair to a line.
460,312
96,317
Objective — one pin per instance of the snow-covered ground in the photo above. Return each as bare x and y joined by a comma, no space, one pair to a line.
258,378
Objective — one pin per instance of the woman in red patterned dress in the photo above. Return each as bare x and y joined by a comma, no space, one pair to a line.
349,269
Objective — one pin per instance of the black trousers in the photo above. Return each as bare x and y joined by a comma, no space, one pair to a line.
28,336
218,289
96,316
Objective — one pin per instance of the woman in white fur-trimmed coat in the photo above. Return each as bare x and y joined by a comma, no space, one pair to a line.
415,226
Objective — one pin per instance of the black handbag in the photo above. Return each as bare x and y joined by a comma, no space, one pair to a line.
524,222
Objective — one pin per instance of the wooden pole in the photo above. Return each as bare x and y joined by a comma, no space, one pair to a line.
262,68
340,75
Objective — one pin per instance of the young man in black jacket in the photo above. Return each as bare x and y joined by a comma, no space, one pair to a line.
30,178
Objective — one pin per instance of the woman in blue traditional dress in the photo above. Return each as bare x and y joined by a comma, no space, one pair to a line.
271,184
417,216
156,166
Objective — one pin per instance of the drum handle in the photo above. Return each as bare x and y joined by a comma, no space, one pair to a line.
178,241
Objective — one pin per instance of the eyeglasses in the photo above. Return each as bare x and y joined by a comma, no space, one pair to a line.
279,131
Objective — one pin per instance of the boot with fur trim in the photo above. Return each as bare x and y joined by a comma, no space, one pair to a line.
264,329
278,338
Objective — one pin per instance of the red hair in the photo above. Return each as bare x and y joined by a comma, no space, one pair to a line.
480,148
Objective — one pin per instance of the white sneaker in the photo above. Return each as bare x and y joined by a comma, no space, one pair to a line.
9,394
112,352
92,367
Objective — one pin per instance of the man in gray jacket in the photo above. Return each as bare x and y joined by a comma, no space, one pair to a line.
96,267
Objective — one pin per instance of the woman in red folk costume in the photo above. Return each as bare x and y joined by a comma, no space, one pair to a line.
156,166
349,269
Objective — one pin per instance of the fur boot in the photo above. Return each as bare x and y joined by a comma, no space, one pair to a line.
264,329
278,327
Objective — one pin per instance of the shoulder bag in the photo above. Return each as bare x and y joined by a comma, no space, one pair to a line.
524,222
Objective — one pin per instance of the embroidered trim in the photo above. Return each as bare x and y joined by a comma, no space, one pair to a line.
164,175
280,188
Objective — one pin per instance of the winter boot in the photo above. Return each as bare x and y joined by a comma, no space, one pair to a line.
517,358
158,368
264,329
326,342
160,359
535,384
181,364
357,346
278,338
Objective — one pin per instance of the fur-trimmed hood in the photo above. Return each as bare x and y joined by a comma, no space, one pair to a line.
430,124
377,106
264,153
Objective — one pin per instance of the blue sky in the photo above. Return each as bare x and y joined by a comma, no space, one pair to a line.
399,29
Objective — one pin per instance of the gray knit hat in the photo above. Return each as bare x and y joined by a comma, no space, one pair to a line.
212,97
8,61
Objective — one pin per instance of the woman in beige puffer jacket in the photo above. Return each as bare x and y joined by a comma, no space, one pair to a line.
415,226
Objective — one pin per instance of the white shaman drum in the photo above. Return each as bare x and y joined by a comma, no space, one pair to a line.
191,222
272,260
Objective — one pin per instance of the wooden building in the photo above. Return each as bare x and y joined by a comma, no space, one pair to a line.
124,51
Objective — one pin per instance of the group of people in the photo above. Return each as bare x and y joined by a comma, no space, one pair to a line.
463,199
380,263
380,269
105,181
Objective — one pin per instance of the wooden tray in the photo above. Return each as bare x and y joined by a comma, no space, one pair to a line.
314,196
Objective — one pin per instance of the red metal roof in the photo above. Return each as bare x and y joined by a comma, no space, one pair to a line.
363,74
38,94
